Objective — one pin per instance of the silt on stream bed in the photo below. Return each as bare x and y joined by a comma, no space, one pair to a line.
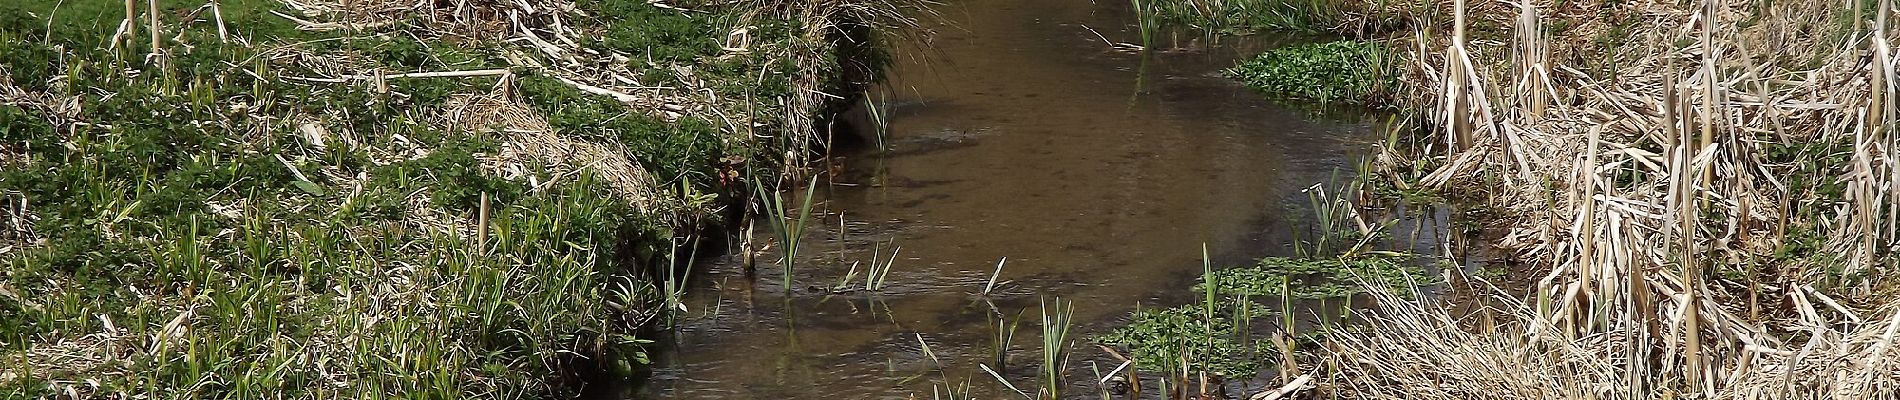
1017,133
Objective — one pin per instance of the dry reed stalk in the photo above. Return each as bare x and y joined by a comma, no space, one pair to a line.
217,15
126,26
1693,191
1415,350
151,10
1458,118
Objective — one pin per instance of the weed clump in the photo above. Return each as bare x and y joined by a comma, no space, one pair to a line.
1163,339
1216,336
1340,71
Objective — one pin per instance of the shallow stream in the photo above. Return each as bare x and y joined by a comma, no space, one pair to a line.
1018,133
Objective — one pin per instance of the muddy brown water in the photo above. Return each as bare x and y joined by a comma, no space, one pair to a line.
1018,133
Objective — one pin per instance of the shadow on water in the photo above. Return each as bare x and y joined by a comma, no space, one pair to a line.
1098,173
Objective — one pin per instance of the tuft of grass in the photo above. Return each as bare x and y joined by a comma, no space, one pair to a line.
876,275
787,224
1056,323
1162,340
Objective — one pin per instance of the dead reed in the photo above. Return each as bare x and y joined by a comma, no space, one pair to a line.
1711,196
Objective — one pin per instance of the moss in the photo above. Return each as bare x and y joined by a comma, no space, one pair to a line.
1221,341
1341,71
29,65
457,179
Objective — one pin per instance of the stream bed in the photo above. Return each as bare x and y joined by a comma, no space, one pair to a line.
1019,133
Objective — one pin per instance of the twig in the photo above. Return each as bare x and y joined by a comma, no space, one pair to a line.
1295,386
439,74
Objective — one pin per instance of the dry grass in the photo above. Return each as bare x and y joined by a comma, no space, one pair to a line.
832,54
1412,350
1657,187
530,145
850,30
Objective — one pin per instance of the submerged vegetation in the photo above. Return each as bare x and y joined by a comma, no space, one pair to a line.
265,199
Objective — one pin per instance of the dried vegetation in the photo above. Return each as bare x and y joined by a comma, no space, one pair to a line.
1706,188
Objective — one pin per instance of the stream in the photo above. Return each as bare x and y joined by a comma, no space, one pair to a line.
1018,133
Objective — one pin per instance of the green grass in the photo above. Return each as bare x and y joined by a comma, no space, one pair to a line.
187,240
687,149
178,256
1240,16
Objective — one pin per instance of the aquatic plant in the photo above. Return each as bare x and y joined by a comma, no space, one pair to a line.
1305,278
876,275
991,284
1147,20
1056,323
1002,334
877,105
945,388
787,224
1165,340
1348,71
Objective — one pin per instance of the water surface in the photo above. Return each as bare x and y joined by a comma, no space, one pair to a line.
1018,132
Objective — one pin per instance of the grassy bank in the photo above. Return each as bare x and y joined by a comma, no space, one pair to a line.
1701,193
318,199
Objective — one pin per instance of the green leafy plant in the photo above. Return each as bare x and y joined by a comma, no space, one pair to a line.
1304,278
1339,71
788,224
1160,340
1056,322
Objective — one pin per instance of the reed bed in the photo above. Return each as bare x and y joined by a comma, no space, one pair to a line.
1414,350
1707,195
